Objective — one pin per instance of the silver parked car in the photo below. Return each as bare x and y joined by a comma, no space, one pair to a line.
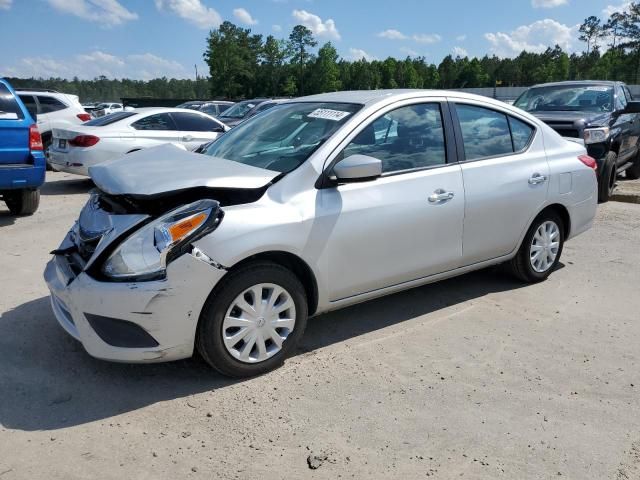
313,205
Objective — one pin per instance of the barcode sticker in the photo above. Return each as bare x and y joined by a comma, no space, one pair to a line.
328,114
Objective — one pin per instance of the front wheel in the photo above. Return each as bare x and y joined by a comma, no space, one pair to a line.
253,320
541,248
608,177
22,202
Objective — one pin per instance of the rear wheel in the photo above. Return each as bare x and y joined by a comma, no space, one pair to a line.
541,248
22,202
608,177
253,320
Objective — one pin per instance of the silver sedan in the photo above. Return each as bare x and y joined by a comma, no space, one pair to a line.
316,204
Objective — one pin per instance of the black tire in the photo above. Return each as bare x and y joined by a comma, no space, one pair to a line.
209,337
608,177
46,144
521,265
22,202
633,172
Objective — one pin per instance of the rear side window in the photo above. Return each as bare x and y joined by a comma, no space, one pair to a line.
192,122
29,102
159,121
50,104
485,133
521,133
223,107
9,108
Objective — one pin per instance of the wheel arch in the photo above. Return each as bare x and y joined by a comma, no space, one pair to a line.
562,212
293,262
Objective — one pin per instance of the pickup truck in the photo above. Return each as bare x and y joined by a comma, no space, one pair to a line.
602,114
22,160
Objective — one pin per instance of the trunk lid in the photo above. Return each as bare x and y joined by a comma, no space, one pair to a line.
167,168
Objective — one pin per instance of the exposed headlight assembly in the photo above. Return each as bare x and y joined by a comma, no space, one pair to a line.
596,135
145,254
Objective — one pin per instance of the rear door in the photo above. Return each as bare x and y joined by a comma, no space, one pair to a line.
14,130
196,129
506,176
156,129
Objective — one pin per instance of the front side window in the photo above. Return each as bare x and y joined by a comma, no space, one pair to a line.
621,100
239,110
283,137
192,122
50,104
485,133
159,121
404,139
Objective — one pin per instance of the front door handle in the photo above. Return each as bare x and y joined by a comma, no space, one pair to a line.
440,196
187,138
536,178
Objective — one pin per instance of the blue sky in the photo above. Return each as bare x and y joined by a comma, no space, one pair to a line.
149,38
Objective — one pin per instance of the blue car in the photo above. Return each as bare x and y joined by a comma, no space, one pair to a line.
22,160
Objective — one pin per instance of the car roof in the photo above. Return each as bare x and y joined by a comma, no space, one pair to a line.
609,83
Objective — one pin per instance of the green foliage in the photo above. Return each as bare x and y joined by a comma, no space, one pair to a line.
243,65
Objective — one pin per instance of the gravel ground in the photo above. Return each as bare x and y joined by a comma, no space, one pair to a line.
475,377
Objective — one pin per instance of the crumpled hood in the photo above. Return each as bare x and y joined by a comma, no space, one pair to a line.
167,168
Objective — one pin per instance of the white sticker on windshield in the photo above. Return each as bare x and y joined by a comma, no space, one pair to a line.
598,89
328,114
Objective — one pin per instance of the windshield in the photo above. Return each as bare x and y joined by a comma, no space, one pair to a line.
109,119
240,109
283,137
593,98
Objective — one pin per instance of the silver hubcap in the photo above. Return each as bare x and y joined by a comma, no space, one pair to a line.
258,322
545,246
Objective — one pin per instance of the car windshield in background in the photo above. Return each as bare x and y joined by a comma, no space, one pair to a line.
109,119
593,98
240,109
282,138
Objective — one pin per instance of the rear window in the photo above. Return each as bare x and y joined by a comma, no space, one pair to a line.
109,119
50,104
9,108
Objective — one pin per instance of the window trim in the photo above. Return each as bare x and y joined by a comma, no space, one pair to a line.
451,155
460,140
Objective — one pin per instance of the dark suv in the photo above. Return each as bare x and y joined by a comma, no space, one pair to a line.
600,113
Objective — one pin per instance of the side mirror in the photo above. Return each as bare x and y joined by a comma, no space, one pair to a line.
632,107
357,168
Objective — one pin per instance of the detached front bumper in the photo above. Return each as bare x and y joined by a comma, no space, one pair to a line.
137,322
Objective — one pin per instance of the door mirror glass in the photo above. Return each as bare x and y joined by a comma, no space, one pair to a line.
357,168
632,107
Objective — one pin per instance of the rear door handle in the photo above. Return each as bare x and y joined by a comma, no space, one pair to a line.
536,178
440,196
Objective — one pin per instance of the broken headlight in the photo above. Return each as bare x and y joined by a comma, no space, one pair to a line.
145,254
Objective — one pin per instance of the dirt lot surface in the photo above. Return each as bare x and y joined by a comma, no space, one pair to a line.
627,191
476,377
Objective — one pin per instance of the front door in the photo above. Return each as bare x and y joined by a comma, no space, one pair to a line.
405,225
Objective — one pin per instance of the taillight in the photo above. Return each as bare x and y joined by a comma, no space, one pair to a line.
35,140
84,117
588,161
84,141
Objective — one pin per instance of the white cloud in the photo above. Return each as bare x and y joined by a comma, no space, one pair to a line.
276,28
426,37
144,66
316,25
459,52
244,16
611,9
359,54
107,12
408,51
536,37
392,34
193,11
548,3
5,4
461,38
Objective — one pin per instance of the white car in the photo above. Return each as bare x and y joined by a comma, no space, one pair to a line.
75,149
103,109
53,109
